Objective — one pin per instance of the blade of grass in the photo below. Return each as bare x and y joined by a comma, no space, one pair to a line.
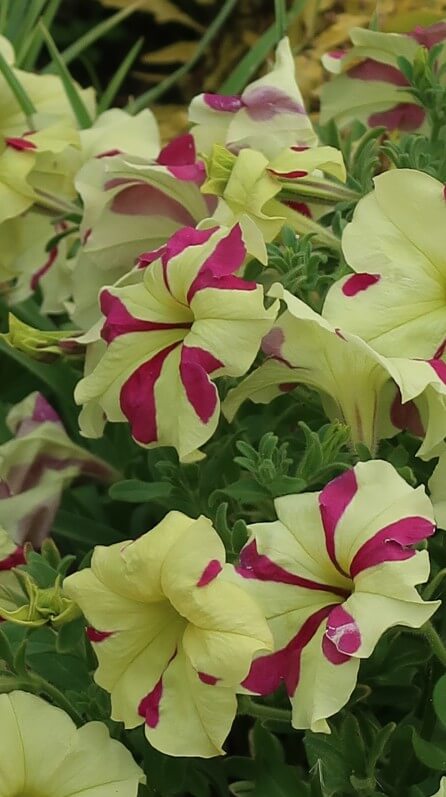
154,94
119,76
29,21
240,76
14,18
4,9
18,90
36,42
99,31
281,20
74,98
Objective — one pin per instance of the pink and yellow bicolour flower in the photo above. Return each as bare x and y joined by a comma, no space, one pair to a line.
36,465
333,573
375,396
268,116
186,321
368,85
131,204
45,755
396,300
173,634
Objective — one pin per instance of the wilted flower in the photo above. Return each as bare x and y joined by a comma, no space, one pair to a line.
369,85
396,300
268,116
334,572
187,321
375,396
43,753
35,467
174,637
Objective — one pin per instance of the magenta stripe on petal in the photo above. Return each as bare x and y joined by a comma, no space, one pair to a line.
137,397
147,258
37,276
299,207
120,322
195,365
20,144
221,102
43,411
209,573
267,672
210,680
390,543
182,239
440,369
178,152
258,566
405,116
333,501
358,283
431,35
142,199
264,102
149,707
295,174
97,636
16,558
343,631
226,258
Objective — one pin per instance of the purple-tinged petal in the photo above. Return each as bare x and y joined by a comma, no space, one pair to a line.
97,636
141,199
265,102
20,144
331,653
210,680
333,501
221,102
429,36
218,269
405,116
195,365
374,70
439,367
37,276
178,152
343,631
16,558
149,707
391,543
299,207
406,416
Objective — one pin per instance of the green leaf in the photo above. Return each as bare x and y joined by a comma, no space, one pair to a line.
439,699
70,635
246,491
83,531
19,664
36,38
428,753
99,31
17,89
28,23
77,104
6,653
135,491
114,84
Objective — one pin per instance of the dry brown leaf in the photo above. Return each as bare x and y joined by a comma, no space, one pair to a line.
162,10
172,120
179,53
338,33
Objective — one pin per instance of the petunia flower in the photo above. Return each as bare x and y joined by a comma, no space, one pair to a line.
173,636
375,396
442,790
43,753
396,300
116,132
262,195
368,85
268,116
333,573
437,487
46,93
186,321
36,465
132,205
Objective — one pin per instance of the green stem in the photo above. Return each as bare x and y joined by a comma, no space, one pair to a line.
143,100
281,18
249,707
435,642
36,685
319,190
434,584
